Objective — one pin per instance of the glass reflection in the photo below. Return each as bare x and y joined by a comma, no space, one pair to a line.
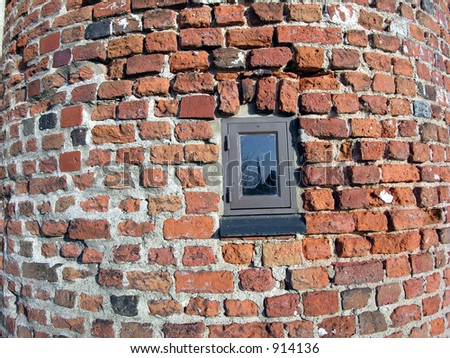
259,164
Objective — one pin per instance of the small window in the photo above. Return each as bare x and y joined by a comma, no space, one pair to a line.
259,184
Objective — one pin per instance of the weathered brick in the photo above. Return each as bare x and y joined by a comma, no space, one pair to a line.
282,306
320,303
204,281
358,272
281,254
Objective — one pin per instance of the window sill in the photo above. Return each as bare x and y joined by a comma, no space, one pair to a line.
263,225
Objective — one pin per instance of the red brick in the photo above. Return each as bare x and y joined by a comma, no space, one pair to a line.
371,221
437,326
237,308
405,314
313,277
394,243
161,256
71,116
324,223
354,198
405,86
319,199
386,43
70,161
431,305
266,13
184,330
357,38
399,107
189,227
250,37
348,273
270,57
317,103
132,228
132,110
394,173
422,262
318,152
164,308
190,177
136,330
266,94
387,294
370,20
201,107
320,303
185,61
86,93
193,82
160,19
154,130
161,42
151,86
355,298
308,34
201,153
383,83
368,174
342,59
282,306
91,51
195,17
229,97
111,8
202,307
121,47
309,58
322,176
229,15
246,330
201,38
358,81
323,82
114,89
339,327
113,134
346,103
83,229
145,64
238,254
352,246
257,280
201,202
377,61
166,108
204,281
193,131
149,281
281,254
126,253
316,248
407,219
103,329
198,256
324,127
49,43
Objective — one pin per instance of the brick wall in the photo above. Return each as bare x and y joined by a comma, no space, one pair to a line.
111,116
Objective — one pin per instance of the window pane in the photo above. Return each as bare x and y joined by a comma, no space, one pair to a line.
259,164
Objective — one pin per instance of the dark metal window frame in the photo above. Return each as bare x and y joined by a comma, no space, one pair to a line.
259,215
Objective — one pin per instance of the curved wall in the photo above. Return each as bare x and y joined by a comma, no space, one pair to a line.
112,114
